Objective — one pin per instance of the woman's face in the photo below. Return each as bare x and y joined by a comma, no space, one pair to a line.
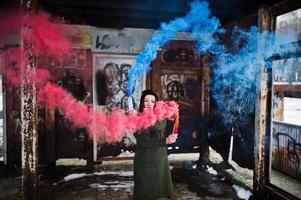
149,101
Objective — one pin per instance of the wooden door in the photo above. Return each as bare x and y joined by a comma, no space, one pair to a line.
181,75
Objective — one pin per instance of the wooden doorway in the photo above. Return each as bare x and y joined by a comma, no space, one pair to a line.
180,74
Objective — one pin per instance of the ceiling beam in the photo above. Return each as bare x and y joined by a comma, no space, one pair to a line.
143,5
118,12
112,22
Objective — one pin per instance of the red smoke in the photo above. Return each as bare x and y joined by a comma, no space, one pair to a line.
10,23
110,128
12,66
47,37
49,42
42,77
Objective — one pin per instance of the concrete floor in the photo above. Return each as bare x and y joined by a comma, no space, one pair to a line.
114,180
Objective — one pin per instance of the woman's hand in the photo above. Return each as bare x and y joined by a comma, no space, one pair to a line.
132,112
171,138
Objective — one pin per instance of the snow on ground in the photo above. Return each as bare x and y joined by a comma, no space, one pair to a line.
241,175
241,192
210,170
179,157
214,156
70,162
74,176
115,185
119,173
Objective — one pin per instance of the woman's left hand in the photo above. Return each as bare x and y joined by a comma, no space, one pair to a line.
171,138
132,112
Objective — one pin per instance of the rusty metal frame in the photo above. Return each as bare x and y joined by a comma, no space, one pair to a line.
262,117
29,134
262,149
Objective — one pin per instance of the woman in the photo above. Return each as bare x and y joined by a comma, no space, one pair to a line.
152,179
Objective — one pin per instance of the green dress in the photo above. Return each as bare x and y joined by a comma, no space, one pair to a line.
152,179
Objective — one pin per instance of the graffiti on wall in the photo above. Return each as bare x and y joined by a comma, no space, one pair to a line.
117,85
291,149
286,149
180,86
175,90
127,40
116,69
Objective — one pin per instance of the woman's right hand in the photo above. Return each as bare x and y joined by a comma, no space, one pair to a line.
171,138
132,112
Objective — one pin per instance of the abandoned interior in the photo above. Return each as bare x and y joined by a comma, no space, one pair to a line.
233,67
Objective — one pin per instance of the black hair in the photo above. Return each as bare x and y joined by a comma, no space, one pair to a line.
144,93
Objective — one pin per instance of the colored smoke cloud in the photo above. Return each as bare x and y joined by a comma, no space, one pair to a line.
50,44
48,40
234,70
198,21
233,84
105,127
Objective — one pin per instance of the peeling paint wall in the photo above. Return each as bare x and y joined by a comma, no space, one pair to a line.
125,41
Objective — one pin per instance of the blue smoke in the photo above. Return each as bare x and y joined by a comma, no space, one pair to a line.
233,83
234,70
234,67
198,21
